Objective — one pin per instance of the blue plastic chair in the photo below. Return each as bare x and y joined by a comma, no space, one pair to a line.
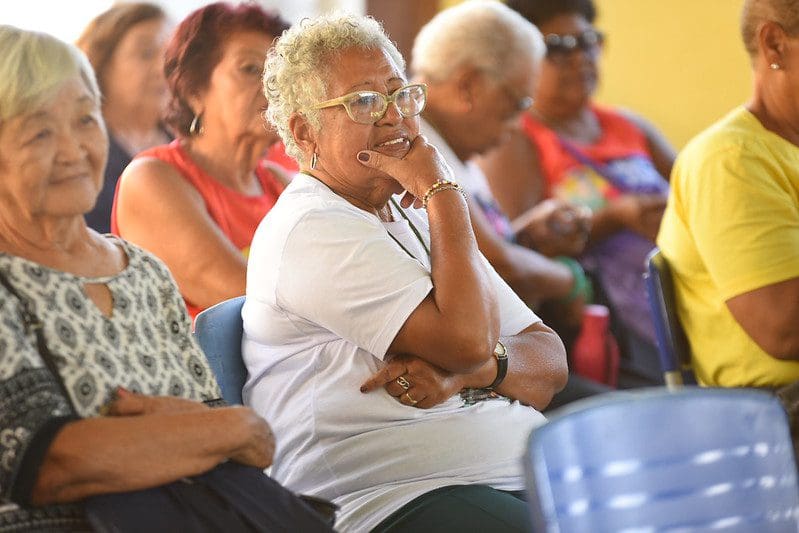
218,329
673,347
656,460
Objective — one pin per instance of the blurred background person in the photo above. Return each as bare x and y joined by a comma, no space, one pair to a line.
610,161
125,45
479,62
731,228
196,202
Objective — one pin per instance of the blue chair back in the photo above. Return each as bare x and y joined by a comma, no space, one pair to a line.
218,329
656,460
673,347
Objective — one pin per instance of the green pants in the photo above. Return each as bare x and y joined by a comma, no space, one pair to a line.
460,508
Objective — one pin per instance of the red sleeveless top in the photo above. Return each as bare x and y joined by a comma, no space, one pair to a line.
236,214
572,180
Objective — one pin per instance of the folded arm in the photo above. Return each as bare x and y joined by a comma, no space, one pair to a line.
123,453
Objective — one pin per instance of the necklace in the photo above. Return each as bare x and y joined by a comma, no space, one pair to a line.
414,229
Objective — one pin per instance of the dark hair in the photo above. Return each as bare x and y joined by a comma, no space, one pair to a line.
540,12
103,34
196,48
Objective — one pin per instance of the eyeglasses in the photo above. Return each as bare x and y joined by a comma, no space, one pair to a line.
559,46
367,107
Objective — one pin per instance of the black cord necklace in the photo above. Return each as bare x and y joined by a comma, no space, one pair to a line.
413,228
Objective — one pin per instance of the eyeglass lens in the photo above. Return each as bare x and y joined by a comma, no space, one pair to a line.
369,107
565,44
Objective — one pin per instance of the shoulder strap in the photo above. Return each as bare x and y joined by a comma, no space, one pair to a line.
600,168
32,323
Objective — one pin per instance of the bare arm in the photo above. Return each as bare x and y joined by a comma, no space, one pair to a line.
456,326
161,212
660,149
769,315
117,454
531,275
537,370
514,174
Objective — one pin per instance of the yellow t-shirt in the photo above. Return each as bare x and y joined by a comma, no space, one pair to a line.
732,226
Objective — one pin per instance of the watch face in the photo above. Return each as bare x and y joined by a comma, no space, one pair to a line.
499,351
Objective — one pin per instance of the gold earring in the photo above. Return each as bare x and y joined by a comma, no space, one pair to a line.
196,127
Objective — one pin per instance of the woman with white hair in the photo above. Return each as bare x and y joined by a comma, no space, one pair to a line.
102,384
402,373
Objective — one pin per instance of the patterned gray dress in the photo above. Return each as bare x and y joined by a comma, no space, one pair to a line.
145,346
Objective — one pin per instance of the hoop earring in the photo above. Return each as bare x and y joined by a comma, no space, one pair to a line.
196,127
774,66
314,159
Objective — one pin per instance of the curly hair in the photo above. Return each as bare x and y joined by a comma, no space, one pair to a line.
299,64
196,48
33,66
540,12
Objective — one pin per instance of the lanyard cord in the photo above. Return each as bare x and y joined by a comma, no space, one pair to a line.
413,228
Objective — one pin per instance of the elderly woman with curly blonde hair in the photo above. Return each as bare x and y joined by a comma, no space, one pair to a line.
403,375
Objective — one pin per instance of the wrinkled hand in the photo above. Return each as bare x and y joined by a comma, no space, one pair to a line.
640,213
414,382
132,404
421,167
258,447
554,227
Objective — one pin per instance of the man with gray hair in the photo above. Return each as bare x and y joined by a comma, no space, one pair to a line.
480,60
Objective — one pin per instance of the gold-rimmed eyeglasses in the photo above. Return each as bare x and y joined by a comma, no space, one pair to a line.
367,107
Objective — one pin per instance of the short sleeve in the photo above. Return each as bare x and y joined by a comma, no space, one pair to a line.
744,219
341,272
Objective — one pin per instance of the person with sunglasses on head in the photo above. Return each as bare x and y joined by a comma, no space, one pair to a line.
609,161
403,375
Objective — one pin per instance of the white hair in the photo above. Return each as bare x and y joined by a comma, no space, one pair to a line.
33,66
299,65
483,34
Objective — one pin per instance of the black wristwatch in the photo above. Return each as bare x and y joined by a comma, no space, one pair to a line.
501,353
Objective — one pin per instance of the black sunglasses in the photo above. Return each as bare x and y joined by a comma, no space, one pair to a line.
562,45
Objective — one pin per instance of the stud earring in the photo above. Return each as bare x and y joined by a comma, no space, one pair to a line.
314,159
774,66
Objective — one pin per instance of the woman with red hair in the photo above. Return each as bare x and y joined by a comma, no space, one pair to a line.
196,202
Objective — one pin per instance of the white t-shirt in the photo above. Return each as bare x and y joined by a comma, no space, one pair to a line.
327,291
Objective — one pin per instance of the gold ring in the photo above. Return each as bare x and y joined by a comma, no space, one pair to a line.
404,383
411,400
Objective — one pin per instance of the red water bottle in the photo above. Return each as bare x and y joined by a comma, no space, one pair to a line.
595,354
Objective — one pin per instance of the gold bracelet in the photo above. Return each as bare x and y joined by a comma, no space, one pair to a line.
439,186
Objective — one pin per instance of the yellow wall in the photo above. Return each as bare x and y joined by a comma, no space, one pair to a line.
679,63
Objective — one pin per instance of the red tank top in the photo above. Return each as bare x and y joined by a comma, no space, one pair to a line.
570,179
236,214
